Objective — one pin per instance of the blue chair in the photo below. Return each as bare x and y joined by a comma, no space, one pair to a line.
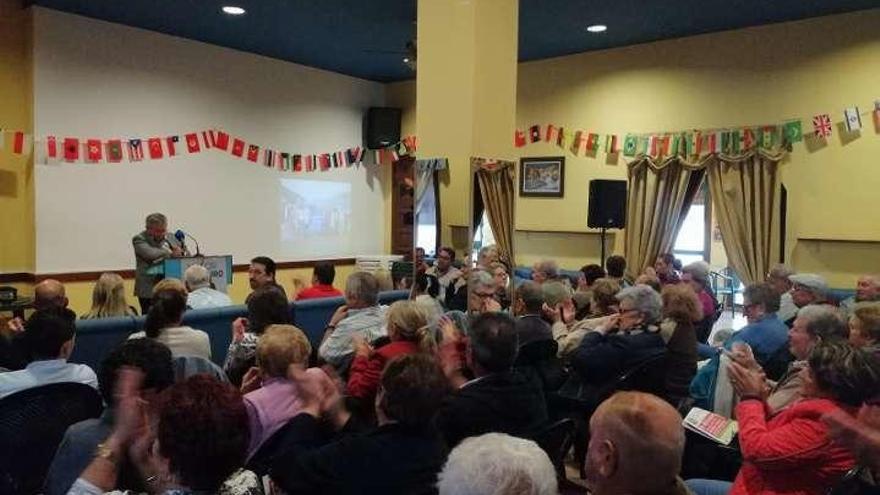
217,323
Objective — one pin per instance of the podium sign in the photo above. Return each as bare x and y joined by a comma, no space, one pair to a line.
220,268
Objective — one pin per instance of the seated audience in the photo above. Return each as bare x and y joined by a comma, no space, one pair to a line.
650,279
696,275
556,292
864,326
261,273
81,440
589,274
48,338
859,434
266,306
615,265
270,398
497,464
444,270
401,456
361,315
201,295
322,283
603,297
197,443
426,293
408,333
791,452
681,311
867,290
778,278
528,310
624,340
544,271
108,298
636,445
569,332
497,399
664,268
807,289
48,294
164,318
481,294
500,275
486,256
419,263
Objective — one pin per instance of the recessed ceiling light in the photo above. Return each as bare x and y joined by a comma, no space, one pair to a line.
233,10
597,28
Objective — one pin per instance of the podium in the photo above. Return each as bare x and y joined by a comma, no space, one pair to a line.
220,268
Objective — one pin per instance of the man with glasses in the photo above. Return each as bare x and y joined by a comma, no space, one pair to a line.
807,289
481,293
443,269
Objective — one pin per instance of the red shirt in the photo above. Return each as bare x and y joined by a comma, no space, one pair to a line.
317,291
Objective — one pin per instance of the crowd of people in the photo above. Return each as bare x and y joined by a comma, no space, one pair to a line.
453,389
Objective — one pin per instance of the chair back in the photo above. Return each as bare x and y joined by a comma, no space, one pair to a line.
187,366
647,376
32,424
555,439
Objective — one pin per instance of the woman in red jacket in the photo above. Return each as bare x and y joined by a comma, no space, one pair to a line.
408,330
791,453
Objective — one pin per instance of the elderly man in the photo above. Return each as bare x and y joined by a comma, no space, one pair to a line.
867,290
201,295
779,279
481,291
528,306
486,256
360,315
545,270
151,247
807,289
636,444
497,399
48,295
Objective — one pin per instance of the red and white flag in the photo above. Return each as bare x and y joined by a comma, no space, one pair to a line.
237,147
206,139
20,143
171,144
822,125
192,143
135,150
51,147
155,146
94,150
71,149
221,140
253,153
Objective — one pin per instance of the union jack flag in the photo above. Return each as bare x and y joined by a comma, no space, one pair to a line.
822,125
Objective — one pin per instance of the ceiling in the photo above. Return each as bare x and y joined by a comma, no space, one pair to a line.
367,38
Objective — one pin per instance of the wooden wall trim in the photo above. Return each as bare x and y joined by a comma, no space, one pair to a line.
92,276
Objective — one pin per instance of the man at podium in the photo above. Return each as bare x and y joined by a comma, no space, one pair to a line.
152,246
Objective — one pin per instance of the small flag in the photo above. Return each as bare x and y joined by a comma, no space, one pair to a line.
135,150
535,133
18,143
792,131
114,151
877,115
51,147
663,145
519,138
222,141
237,147
340,159
592,142
308,160
629,145
93,150
297,163
171,144
675,144
562,137
207,139
285,161
768,134
268,157
324,160
192,143
652,146
155,147
611,144
71,149
358,154
852,118
253,153
822,125
551,130
576,143
713,142
642,145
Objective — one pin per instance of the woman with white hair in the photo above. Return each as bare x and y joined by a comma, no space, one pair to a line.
626,339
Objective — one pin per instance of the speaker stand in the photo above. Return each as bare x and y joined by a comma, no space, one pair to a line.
602,260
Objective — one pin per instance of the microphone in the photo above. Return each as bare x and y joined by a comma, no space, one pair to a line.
181,235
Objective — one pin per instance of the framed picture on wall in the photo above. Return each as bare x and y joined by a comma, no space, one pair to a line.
542,177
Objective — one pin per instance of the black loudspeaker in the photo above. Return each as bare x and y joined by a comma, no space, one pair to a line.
381,127
607,206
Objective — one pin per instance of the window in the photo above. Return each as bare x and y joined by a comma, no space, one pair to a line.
483,235
692,242
426,222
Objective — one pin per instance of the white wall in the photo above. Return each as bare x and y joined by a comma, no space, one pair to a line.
94,79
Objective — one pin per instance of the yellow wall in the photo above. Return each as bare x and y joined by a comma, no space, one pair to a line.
16,112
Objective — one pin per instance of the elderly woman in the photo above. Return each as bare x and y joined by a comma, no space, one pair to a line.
625,340
791,452
270,398
266,306
108,298
164,318
696,275
501,277
196,444
864,326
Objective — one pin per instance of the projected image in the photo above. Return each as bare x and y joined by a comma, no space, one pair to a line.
313,210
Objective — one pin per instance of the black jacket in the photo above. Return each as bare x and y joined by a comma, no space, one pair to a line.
600,358
501,402
530,328
391,459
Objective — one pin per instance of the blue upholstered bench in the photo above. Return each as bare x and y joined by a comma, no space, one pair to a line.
95,338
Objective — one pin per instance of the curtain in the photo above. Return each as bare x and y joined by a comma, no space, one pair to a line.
744,191
425,179
658,198
495,180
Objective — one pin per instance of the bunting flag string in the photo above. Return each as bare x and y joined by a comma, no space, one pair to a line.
136,150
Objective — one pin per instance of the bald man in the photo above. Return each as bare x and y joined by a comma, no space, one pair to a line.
48,294
867,290
636,444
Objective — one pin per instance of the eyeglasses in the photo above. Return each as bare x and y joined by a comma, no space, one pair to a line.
484,295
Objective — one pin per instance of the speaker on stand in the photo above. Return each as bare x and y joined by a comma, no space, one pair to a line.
606,207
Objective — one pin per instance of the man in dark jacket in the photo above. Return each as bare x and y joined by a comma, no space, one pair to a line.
498,399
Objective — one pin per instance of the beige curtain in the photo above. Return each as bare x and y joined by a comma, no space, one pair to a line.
497,190
744,192
658,198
